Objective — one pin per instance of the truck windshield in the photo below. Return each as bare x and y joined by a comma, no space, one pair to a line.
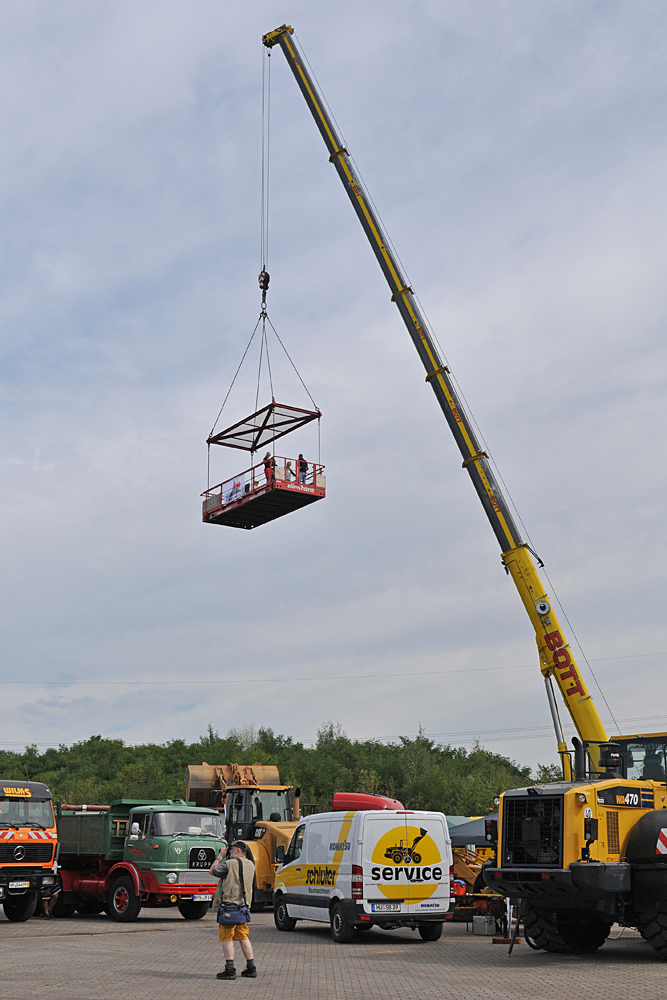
167,824
26,812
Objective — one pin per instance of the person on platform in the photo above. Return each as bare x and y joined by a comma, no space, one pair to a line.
303,468
269,468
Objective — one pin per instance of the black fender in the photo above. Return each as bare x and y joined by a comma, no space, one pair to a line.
646,850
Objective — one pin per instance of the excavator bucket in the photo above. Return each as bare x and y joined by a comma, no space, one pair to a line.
207,783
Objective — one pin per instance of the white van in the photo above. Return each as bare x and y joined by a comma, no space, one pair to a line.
354,869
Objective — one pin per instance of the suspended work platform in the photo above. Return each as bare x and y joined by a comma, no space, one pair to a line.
264,493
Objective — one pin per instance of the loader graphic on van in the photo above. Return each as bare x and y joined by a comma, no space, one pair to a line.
401,854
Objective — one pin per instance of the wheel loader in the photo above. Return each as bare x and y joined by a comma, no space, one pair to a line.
257,809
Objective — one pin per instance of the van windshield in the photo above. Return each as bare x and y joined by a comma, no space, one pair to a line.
26,812
167,824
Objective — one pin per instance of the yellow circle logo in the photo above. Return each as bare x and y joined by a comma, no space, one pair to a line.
410,864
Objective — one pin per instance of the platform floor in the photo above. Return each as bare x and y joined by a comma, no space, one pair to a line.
163,957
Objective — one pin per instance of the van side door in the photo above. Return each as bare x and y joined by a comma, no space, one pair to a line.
292,873
320,877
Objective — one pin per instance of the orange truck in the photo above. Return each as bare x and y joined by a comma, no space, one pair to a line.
28,847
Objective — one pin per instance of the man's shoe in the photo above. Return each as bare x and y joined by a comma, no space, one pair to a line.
250,973
227,974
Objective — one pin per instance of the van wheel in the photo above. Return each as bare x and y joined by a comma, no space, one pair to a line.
342,930
430,932
281,917
123,905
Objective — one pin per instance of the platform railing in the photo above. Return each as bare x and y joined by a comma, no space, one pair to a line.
258,478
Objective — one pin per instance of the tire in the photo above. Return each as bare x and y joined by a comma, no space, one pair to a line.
430,932
281,917
190,910
89,908
397,857
542,929
583,932
578,933
123,906
20,908
342,930
62,909
653,928
255,905
416,859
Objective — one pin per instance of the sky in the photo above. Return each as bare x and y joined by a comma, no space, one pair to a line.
516,154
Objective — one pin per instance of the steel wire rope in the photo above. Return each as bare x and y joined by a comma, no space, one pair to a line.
266,157
235,376
291,362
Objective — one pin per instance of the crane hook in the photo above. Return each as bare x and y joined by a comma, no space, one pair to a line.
264,278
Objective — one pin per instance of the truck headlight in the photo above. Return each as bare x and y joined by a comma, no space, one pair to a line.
48,880
172,877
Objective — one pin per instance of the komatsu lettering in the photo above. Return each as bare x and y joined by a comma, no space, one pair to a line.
340,845
321,876
412,874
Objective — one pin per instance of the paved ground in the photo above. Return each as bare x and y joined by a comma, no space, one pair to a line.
161,957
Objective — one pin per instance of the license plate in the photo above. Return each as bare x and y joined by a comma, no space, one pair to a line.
19,885
202,897
377,907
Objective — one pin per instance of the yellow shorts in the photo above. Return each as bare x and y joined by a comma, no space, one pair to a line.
233,932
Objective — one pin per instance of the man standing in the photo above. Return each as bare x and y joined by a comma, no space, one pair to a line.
236,874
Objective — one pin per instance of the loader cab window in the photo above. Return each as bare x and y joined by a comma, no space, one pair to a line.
274,806
645,760
296,845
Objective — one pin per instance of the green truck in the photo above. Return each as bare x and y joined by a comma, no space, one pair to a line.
137,853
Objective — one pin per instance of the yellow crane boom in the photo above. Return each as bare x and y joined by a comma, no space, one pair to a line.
556,657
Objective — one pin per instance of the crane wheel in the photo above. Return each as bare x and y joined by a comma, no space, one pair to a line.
653,928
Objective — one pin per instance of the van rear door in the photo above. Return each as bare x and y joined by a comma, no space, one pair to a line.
406,859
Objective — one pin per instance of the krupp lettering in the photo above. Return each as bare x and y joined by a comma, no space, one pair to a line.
415,874
321,876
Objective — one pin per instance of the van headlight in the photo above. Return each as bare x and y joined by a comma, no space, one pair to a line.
172,877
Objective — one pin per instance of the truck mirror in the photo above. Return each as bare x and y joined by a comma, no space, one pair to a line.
280,854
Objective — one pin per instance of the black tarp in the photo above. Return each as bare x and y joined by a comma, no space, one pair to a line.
473,832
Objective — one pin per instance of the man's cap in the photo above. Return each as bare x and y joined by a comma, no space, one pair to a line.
242,846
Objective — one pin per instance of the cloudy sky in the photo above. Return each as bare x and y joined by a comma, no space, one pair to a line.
516,153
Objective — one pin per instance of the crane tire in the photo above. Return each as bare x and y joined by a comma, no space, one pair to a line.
653,928
542,928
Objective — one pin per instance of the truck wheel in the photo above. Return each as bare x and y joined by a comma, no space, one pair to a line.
62,909
190,910
89,908
123,906
281,917
653,928
342,930
430,932
542,929
19,908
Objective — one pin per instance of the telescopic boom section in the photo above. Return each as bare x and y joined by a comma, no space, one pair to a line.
556,658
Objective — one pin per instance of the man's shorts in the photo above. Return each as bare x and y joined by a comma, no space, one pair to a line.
233,932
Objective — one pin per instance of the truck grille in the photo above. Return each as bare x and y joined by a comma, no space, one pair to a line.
196,878
532,828
31,853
